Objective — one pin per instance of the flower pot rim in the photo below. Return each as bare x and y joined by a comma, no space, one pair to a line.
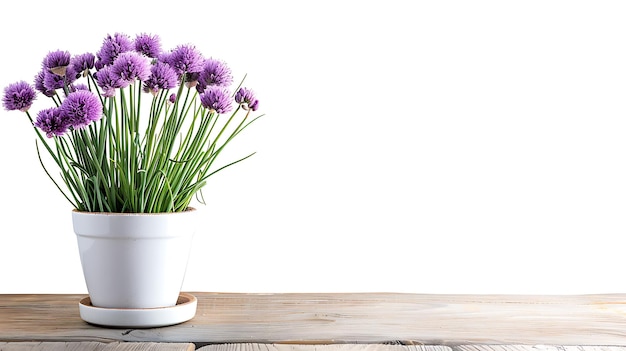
129,214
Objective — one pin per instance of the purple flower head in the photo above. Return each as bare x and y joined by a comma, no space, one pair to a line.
107,81
111,48
76,87
217,99
162,76
51,122
130,66
149,45
41,87
81,108
214,72
185,59
56,62
173,98
53,81
245,97
18,96
81,64
164,57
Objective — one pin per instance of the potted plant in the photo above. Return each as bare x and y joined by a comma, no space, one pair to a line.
134,132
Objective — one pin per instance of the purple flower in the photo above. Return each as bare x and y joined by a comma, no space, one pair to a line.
111,48
56,62
129,66
81,64
107,81
245,97
81,108
164,57
185,59
18,96
217,99
162,76
41,87
76,87
51,122
173,98
149,45
214,72
52,81
47,81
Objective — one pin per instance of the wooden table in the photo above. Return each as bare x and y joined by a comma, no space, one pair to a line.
328,322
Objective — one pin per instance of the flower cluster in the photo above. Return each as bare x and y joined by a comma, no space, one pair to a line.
106,159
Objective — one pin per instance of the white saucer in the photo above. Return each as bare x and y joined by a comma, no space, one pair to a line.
184,310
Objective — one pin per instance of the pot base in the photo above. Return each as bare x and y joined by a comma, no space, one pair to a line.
184,310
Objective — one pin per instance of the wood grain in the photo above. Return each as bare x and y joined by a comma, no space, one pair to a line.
537,348
325,318
94,346
336,347
383,347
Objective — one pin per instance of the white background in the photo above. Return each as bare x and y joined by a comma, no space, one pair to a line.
408,146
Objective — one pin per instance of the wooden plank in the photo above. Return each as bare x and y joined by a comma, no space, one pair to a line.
537,348
149,346
385,347
94,346
326,318
335,347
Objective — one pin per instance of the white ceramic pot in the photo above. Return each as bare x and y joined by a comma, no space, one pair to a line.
134,260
